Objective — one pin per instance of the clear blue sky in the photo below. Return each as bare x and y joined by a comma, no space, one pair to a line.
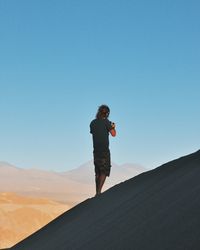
61,59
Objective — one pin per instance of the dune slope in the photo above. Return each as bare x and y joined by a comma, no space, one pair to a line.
156,210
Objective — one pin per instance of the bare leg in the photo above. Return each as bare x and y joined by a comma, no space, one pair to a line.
97,181
101,181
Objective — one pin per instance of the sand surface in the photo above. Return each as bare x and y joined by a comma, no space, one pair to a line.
21,216
157,210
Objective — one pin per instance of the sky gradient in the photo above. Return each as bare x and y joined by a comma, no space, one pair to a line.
60,60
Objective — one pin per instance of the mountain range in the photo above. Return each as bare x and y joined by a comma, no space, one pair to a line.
69,187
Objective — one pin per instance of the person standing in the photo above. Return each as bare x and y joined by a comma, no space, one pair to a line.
100,128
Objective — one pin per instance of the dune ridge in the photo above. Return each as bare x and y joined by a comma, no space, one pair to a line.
155,210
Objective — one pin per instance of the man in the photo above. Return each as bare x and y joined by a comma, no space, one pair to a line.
100,128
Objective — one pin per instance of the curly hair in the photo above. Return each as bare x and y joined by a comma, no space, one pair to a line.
103,112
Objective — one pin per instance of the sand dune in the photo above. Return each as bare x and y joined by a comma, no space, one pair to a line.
21,216
157,210
23,208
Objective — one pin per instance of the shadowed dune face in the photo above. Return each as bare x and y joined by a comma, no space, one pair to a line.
21,216
156,210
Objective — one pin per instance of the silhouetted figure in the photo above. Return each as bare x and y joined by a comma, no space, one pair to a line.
100,129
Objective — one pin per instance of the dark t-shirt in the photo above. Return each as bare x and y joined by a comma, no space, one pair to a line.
100,128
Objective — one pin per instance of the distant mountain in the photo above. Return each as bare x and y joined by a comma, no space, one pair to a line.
70,187
156,210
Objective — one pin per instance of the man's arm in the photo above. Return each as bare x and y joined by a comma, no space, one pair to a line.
113,130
